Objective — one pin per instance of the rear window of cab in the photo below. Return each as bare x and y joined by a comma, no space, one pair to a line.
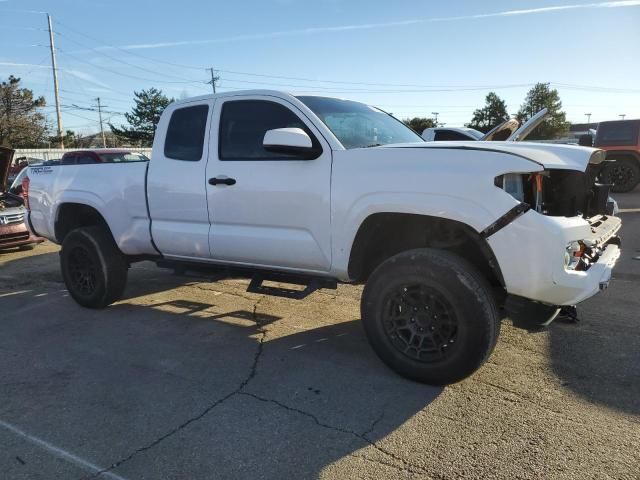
623,132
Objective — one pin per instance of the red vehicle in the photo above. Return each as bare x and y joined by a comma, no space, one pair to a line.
621,140
102,155
13,230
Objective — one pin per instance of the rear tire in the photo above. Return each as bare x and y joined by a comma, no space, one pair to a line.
430,316
623,173
93,268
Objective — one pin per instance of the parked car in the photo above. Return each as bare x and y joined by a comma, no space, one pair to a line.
438,134
102,155
321,190
503,131
13,230
621,140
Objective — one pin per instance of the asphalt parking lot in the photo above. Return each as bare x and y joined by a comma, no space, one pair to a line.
187,378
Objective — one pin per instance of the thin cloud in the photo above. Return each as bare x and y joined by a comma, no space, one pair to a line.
75,73
86,77
369,26
30,65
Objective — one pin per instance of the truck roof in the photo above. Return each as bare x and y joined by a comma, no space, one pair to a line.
275,93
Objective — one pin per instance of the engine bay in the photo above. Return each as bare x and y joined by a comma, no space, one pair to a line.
566,193
9,200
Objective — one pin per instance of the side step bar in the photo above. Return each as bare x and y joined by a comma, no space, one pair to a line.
311,284
258,277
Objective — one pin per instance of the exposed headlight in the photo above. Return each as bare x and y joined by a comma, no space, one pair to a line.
513,185
572,255
524,187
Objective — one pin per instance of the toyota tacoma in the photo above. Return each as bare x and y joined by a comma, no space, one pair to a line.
327,190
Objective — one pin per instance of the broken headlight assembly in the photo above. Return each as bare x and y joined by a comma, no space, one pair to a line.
558,192
573,254
524,187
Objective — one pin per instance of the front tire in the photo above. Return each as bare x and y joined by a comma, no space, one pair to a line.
623,173
430,316
93,268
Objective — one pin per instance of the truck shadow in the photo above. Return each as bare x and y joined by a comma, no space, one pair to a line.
599,357
599,362
303,396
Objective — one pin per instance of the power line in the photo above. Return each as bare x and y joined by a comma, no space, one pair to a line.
427,88
154,80
124,62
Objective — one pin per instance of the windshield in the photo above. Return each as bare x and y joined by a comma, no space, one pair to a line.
357,125
474,133
116,157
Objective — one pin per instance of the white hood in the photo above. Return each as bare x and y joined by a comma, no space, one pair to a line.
550,156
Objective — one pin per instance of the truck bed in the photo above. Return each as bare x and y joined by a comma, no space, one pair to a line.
117,190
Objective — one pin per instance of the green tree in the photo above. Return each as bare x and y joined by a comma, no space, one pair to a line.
22,124
419,124
539,97
71,139
492,114
143,117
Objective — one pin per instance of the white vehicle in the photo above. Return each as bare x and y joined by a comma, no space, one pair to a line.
328,190
439,134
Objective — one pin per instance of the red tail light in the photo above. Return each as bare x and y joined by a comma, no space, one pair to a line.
25,191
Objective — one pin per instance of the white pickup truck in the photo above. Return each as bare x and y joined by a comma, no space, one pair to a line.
332,190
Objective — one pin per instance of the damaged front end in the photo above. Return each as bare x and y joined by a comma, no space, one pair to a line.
570,193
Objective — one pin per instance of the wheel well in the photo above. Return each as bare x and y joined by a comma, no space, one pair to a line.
383,235
74,215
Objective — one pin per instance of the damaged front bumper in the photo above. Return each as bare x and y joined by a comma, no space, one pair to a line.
531,253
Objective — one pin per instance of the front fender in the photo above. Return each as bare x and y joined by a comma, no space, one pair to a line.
441,206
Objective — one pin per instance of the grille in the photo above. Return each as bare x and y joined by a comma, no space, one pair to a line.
14,236
11,219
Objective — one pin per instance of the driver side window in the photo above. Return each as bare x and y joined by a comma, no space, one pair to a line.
243,124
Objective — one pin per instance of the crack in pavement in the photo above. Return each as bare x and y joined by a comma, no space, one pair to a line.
375,422
408,465
391,465
243,384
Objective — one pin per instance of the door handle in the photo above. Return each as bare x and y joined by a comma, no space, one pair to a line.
222,181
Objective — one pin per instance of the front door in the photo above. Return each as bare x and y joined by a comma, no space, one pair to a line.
267,209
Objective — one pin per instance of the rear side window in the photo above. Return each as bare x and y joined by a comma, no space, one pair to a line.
85,158
185,135
243,124
444,135
68,159
618,133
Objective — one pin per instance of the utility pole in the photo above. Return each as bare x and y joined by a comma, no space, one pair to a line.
214,79
622,116
436,120
588,118
55,81
104,142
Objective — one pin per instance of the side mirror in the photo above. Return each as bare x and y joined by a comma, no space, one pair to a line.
291,141
17,190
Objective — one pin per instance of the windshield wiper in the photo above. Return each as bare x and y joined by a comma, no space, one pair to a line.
374,145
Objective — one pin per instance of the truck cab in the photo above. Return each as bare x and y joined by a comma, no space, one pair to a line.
327,190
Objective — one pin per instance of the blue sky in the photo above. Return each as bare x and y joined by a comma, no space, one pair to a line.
409,57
